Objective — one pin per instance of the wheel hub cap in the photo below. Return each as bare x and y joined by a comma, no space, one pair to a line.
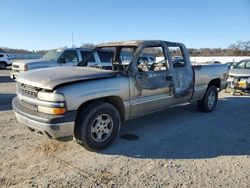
101,128
211,99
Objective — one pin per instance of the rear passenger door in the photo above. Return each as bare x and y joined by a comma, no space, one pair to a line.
182,73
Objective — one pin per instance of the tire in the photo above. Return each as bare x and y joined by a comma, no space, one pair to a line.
209,101
97,126
2,65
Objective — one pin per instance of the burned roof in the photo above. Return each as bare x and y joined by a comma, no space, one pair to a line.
122,43
132,43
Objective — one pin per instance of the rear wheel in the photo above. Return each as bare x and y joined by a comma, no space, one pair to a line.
209,101
2,65
97,126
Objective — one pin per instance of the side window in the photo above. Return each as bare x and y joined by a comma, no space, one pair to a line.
177,56
152,59
85,54
241,65
248,65
105,56
126,55
70,56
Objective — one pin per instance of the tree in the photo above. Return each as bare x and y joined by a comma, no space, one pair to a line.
241,47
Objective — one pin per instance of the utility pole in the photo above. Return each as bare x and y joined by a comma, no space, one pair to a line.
72,38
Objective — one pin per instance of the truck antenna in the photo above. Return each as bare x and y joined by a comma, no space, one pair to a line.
72,38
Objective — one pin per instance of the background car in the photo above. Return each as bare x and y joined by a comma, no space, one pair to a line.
231,65
5,61
213,62
239,78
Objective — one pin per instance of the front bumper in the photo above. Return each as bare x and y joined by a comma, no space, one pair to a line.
53,126
238,83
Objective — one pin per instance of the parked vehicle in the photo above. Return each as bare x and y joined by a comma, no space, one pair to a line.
213,62
5,61
66,57
239,78
90,103
231,65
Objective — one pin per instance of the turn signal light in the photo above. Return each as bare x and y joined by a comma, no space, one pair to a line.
54,111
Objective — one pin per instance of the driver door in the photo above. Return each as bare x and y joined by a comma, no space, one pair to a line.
153,88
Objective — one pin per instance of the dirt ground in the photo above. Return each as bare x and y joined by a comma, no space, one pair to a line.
178,147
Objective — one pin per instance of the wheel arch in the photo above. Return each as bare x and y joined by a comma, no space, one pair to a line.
113,100
216,82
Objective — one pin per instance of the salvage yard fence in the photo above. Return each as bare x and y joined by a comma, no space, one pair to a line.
24,56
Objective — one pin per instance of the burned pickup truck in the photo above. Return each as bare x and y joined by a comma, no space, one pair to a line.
90,103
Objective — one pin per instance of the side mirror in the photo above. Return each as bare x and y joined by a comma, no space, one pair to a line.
231,67
62,60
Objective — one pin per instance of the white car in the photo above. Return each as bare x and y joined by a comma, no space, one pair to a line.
4,61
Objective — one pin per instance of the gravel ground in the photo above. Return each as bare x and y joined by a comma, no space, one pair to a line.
179,147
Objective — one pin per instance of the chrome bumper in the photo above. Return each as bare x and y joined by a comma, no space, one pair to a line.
55,128
51,130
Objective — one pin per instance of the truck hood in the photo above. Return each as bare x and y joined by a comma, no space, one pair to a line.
49,78
28,61
239,72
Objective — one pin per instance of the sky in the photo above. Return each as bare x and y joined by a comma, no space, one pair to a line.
48,24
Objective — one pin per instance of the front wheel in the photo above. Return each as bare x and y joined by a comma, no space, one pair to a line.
209,101
2,65
97,126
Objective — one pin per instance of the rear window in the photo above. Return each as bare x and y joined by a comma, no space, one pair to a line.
105,56
85,54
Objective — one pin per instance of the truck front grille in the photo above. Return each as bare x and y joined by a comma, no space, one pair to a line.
26,90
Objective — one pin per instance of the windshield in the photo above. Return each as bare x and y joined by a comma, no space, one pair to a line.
241,65
111,57
52,55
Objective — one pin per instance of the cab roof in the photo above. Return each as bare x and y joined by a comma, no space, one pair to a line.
132,43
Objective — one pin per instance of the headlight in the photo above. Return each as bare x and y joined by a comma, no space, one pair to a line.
56,102
54,97
55,111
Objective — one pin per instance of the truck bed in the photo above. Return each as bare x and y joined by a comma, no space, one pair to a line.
204,71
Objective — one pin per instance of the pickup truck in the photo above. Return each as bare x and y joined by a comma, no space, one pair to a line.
60,58
89,104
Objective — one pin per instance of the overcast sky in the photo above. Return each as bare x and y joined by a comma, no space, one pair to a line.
47,24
